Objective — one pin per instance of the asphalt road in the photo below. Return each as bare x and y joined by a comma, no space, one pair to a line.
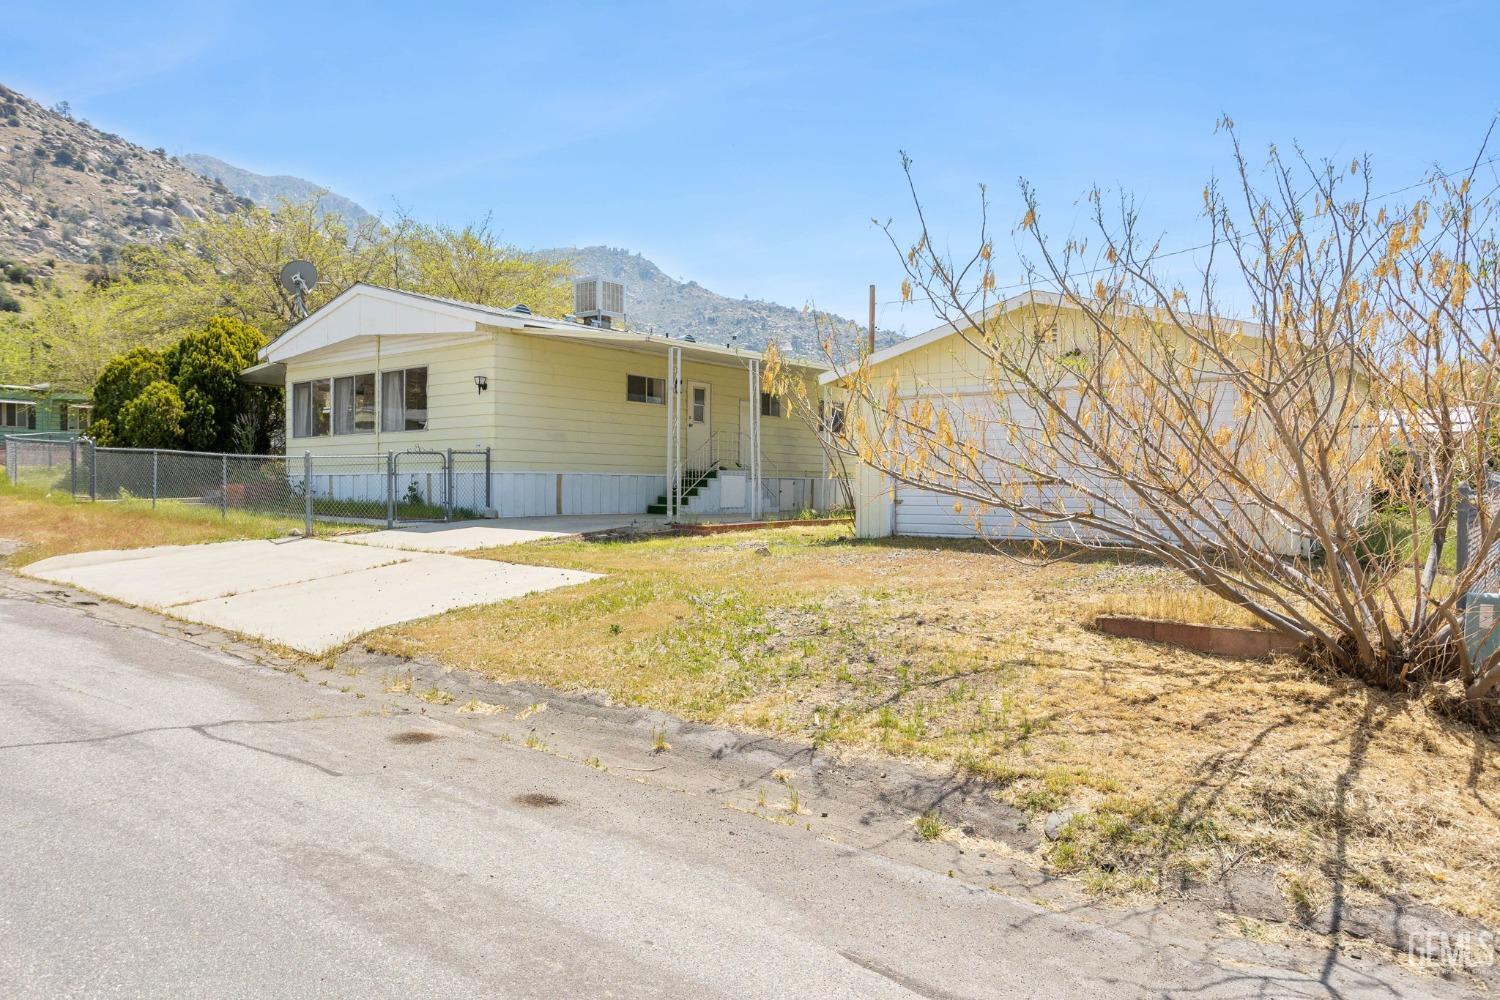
178,823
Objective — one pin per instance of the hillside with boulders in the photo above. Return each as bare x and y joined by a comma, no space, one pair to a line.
71,192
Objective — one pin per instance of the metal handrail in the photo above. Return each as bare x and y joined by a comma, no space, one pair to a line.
715,453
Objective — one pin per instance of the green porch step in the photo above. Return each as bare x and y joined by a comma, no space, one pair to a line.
692,482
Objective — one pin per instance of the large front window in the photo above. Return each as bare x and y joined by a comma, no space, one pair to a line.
14,413
403,400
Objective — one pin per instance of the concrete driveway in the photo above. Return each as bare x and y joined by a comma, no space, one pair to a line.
466,536
309,594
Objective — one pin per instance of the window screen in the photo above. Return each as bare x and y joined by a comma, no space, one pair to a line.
770,406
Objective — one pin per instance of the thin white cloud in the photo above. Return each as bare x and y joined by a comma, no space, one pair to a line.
103,52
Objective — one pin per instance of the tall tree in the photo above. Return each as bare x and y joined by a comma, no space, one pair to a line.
472,265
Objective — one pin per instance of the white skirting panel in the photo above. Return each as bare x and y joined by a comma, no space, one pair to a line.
607,493
511,494
778,495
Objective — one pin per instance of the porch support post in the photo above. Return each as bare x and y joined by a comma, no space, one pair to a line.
674,432
754,436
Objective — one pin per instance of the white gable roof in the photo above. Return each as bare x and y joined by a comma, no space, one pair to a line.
369,310
365,310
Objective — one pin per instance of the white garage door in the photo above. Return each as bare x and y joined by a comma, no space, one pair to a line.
924,513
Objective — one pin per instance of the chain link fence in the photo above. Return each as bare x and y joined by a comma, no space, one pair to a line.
1480,604
41,459
393,488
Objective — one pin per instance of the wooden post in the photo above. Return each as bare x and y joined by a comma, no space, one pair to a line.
872,319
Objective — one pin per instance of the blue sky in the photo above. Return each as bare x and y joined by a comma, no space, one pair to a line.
748,145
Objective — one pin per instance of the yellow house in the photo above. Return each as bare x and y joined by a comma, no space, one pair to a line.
570,418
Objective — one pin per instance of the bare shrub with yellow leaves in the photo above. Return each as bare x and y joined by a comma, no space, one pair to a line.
1302,463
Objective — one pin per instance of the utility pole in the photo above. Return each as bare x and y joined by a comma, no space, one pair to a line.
872,319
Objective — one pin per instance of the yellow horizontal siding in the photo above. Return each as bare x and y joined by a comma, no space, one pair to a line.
458,415
553,406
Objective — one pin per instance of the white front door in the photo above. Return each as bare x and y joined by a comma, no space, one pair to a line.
699,425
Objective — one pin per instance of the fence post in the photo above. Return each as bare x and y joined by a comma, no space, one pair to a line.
448,487
390,489
489,489
93,470
307,495
155,465
224,487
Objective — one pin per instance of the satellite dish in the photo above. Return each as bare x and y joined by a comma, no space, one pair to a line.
299,277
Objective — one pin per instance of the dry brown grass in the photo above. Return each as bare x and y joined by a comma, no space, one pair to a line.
1184,763
55,524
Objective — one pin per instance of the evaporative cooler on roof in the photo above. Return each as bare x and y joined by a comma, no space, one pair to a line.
598,302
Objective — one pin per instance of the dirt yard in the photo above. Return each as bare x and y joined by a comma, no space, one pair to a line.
1179,766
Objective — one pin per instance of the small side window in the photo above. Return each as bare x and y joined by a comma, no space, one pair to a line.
644,389
770,405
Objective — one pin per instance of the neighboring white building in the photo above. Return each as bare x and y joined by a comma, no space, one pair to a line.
947,369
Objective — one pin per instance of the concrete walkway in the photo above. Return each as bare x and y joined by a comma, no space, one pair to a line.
308,594
467,536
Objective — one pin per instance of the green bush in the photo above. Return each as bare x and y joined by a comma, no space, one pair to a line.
123,380
214,411
154,418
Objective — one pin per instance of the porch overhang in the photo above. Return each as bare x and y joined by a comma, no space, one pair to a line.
268,373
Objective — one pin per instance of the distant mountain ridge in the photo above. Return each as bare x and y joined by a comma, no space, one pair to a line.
266,189
654,300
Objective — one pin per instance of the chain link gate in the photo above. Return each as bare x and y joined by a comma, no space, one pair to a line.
417,487
469,490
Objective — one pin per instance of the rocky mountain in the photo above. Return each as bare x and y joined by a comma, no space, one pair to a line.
655,300
71,192
267,190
